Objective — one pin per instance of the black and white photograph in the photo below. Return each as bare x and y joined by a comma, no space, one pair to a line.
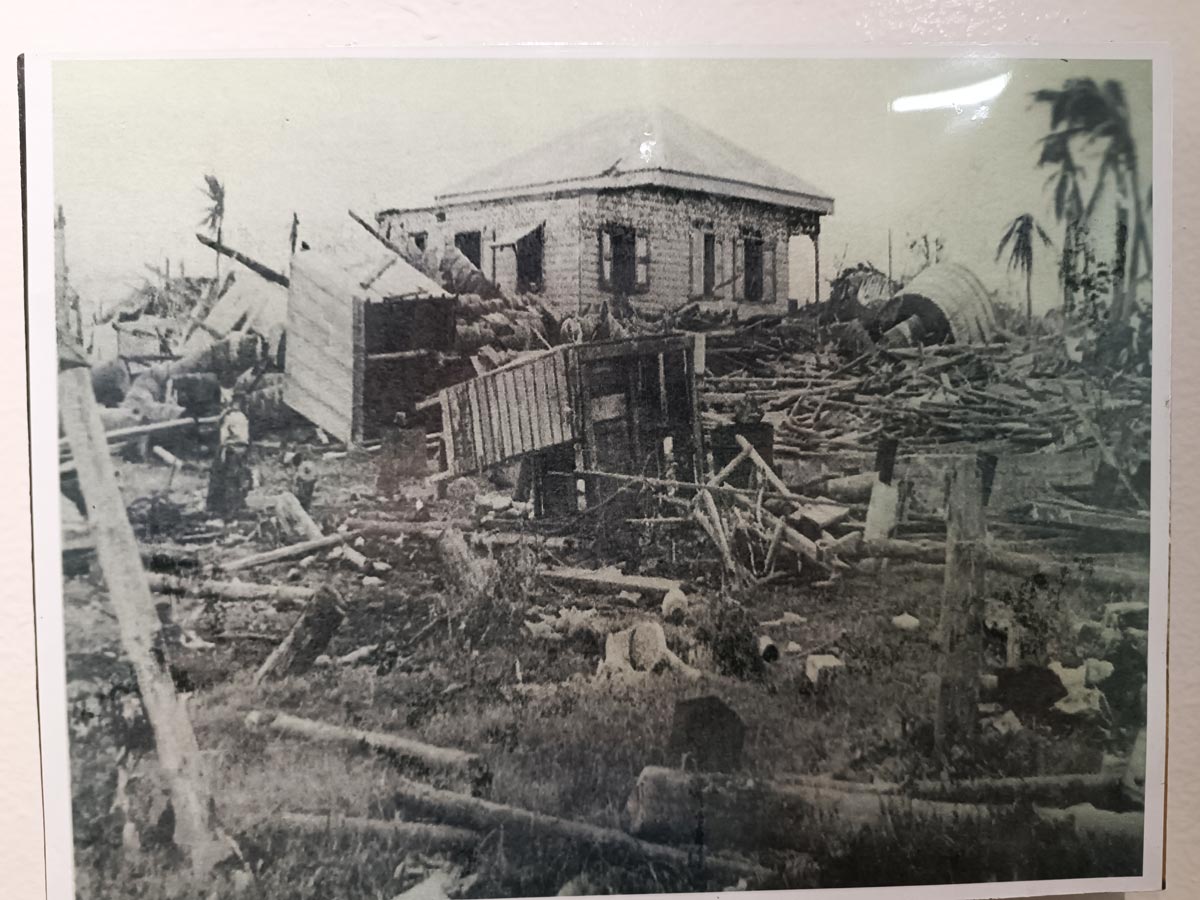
550,473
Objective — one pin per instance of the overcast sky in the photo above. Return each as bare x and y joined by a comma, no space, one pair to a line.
133,141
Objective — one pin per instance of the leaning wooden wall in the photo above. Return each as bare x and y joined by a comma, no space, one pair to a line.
324,360
513,411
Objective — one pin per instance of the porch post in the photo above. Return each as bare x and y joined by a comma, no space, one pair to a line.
816,239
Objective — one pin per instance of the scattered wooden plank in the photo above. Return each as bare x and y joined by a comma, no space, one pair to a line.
229,590
434,530
387,744
1073,515
304,548
610,579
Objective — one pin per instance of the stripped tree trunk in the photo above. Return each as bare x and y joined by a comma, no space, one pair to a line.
117,551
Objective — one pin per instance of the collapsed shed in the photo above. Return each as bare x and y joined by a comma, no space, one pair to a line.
578,411
362,329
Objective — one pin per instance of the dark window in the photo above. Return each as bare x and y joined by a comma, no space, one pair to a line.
419,238
753,256
710,264
624,259
530,251
470,243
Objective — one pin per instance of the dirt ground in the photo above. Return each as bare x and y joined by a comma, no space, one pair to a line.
556,737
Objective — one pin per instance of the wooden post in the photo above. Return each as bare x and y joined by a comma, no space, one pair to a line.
961,625
816,239
128,590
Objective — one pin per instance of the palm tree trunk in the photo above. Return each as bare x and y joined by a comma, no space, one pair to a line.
1141,240
217,270
1119,310
1029,299
1141,233
1068,269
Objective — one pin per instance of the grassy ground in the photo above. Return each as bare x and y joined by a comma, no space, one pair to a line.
556,738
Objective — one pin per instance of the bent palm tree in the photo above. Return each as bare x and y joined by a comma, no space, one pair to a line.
1020,233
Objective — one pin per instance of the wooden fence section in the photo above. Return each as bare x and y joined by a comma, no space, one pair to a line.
517,409
634,391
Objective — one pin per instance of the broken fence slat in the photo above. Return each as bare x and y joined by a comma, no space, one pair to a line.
430,755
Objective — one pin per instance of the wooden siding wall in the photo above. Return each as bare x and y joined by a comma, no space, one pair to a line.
324,360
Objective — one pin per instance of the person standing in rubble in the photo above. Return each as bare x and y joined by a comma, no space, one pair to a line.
230,478
304,479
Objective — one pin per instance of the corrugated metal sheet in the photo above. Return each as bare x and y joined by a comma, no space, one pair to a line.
961,296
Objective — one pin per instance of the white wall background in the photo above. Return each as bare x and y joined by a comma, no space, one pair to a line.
229,24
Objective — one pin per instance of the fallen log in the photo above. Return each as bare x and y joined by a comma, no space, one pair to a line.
228,590
296,520
1023,565
388,744
610,579
304,548
307,639
1100,789
525,825
415,835
434,530
151,428
666,805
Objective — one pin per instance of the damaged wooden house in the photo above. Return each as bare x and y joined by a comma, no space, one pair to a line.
642,205
363,331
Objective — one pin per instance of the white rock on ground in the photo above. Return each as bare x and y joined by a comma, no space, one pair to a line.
675,606
820,668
